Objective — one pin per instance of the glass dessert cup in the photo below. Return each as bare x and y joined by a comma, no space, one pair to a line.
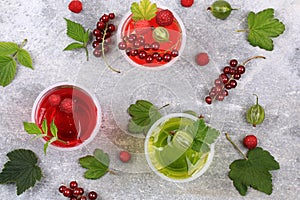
177,40
170,155
75,111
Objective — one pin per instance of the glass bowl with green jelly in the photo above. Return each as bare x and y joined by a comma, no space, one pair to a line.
179,147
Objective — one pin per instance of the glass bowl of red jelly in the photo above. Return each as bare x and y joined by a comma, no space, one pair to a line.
76,113
138,44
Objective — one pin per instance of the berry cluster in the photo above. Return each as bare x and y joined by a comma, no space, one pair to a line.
76,193
137,46
103,34
227,80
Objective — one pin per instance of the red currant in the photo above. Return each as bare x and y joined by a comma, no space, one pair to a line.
167,57
149,58
111,15
104,18
226,70
155,46
73,184
100,25
92,195
208,100
174,53
250,141
111,27
142,54
67,192
241,69
62,188
122,45
233,63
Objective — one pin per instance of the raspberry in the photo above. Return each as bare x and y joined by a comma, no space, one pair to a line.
141,27
164,17
250,141
124,156
54,100
66,105
187,3
202,59
75,6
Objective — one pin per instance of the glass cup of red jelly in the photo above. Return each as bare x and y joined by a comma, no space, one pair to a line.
76,113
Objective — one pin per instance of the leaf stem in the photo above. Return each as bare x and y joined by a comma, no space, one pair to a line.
86,52
23,43
235,146
103,54
164,106
112,172
242,30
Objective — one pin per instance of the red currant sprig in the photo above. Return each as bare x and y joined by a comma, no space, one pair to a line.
227,80
102,33
73,192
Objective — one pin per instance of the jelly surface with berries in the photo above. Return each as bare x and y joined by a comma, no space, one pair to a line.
73,127
175,40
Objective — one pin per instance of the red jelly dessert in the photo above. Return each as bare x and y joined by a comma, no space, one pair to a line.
146,43
75,113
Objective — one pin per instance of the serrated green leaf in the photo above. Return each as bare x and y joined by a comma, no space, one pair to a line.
143,114
24,58
74,45
21,169
8,68
145,10
134,128
96,169
253,172
86,37
102,157
8,48
32,128
262,27
75,31
200,146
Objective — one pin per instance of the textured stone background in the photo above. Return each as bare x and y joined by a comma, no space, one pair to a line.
183,85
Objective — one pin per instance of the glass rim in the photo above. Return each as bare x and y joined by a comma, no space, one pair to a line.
89,93
154,169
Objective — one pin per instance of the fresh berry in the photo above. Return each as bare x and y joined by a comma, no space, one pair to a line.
187,3
202,59
111,15
68,192
141,27
54,100
73,184
62,188
75,6
124,156
250,141
233,63
164,17
92,195
66,105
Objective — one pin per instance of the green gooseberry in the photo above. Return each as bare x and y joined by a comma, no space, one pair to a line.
160,34
220,9
255,114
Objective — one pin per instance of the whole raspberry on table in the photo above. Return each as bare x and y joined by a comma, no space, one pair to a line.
187,3
75,6
164,17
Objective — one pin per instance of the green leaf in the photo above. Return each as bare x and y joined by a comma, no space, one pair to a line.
8,68
74,45
53,129
204,135
45,126
75,31
97,165
145,10
86,37
21,169
253,172
143,114
24,58
8,48
32,128
262,27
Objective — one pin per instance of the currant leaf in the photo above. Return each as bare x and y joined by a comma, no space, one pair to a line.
21,169
145,10
253,171
24,58
8,69
8,48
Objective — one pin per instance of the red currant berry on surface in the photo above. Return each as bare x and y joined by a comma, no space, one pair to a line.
159,58
68,192
134,52
104,18
97,53
100,25
73,184
224,78
147,47
92,195
233,83
111,27
128,50
78,191
122,45
241,69
250,141
228,86
96,32
218,82
226,70
233,63
232,71
83,198
99,38
208,100
167,57
220,97
54,100
62,188
73,198
95,44
111,15
236,76
155,55
225,93
124,156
